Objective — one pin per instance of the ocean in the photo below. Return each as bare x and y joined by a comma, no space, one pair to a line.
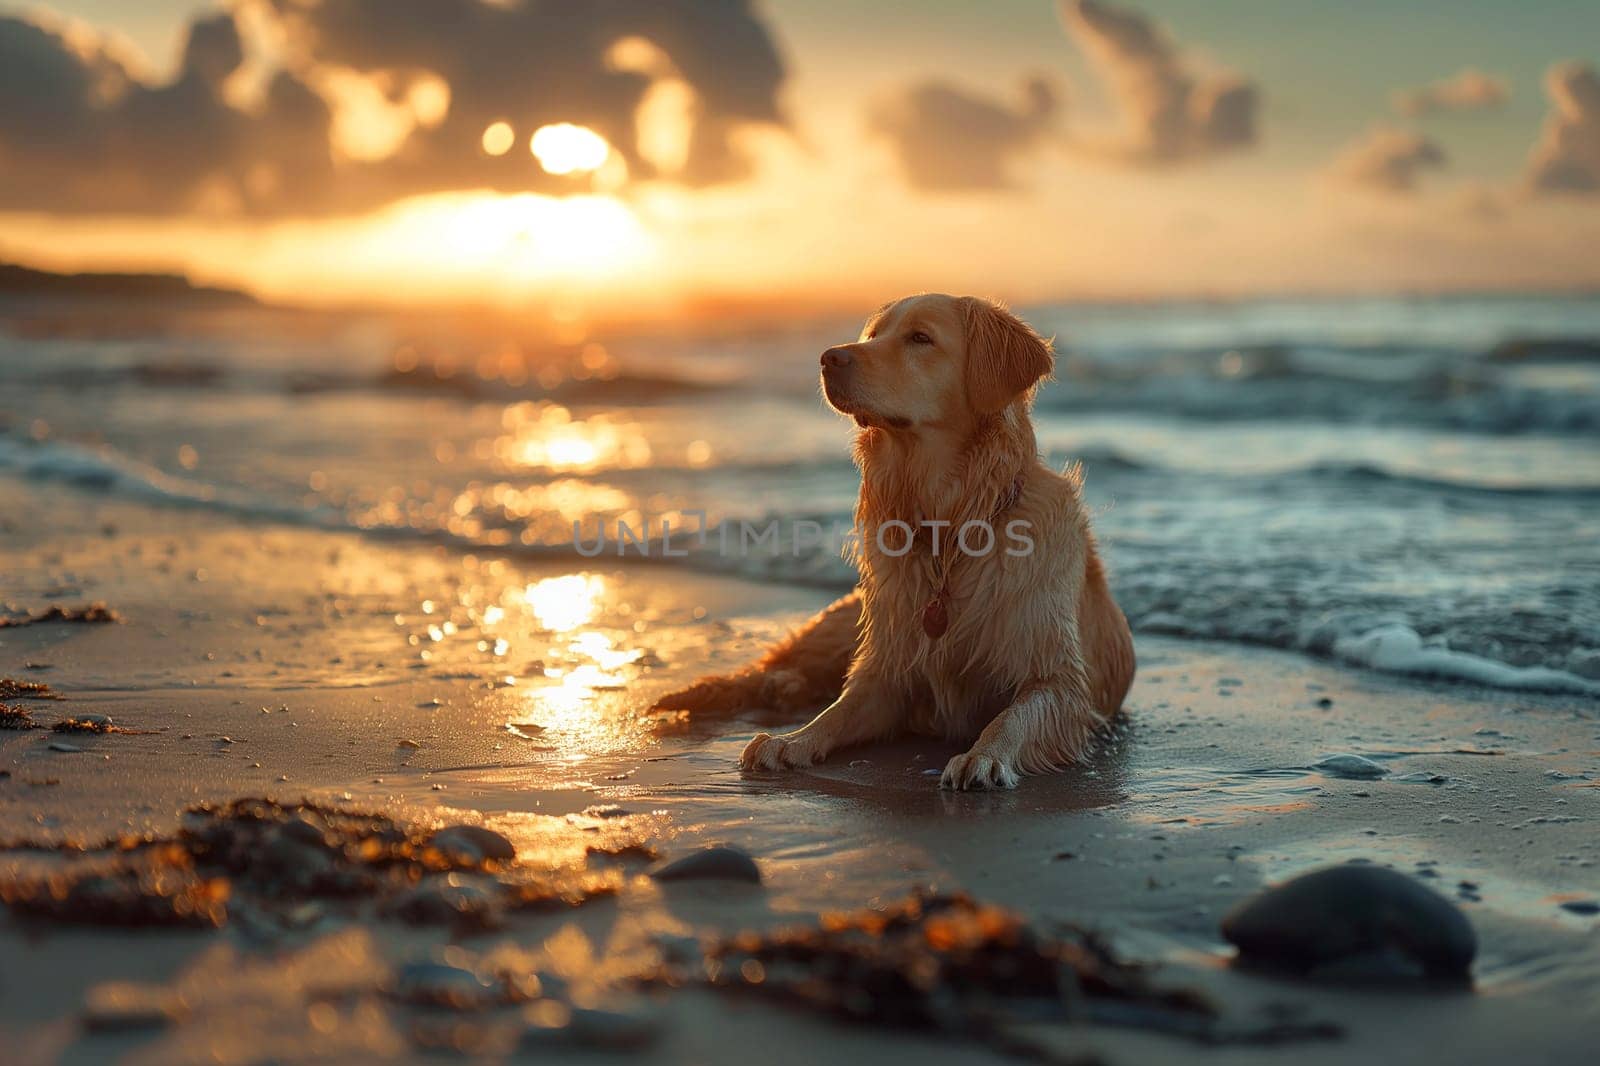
1409,485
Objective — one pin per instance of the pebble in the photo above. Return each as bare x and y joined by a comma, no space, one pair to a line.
122,1006
552,1023
711,864
1353,921
472,844
449,900
61,745
1353,767
1423,777
1581,906
439,984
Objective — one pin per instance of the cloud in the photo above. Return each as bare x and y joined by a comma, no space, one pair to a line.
1468,91
371,101
1482,202
1171,113
1389,160
949,139
1566,158
78,132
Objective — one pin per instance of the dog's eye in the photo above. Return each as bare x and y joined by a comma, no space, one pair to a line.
920,337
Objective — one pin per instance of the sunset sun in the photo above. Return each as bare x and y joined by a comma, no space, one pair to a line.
565,148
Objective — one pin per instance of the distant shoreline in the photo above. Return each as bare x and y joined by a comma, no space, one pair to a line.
19,282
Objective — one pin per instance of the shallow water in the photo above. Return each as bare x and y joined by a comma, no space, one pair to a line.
1364,479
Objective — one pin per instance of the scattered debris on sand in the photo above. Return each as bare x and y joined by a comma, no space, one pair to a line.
952,964
16,717
13,689
267,861
92,614
637,851
86,723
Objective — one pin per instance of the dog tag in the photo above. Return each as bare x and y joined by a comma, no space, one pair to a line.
934,619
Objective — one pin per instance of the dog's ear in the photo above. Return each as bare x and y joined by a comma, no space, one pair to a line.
1005,357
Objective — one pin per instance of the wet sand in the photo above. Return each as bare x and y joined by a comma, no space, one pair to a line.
444,689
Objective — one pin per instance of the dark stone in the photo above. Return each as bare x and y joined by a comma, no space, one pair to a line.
711,864
1356,921
569,1026
473,844
1581,906
449,899
1350,767
437,984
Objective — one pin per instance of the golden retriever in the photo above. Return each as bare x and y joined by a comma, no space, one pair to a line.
983,614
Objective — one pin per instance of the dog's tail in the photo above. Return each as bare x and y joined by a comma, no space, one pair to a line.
805,671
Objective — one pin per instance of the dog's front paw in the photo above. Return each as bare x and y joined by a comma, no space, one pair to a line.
978,770
767,752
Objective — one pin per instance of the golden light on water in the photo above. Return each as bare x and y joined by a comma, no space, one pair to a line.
567,602
567,148
498,138
557,441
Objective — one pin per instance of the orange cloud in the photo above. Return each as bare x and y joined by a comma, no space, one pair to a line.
372,101
1389,160
1171,113
947,138
1567,157
1470,90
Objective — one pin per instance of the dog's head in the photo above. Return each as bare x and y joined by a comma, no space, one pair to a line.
935,360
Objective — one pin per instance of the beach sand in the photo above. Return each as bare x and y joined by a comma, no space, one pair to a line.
444,688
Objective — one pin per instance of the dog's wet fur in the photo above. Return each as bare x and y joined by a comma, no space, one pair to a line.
1031,655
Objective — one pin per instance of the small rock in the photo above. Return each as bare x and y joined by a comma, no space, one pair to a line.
120,1006
711,864
61,745
1353,767
408,744
438,984
1581,906
449,900
472,844
551,1023
1356,920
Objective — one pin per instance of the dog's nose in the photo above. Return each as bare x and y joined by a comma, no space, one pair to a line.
836,357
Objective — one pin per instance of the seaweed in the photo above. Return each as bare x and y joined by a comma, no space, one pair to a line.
16,718
92,614
13,689
272,858
970,969
83,725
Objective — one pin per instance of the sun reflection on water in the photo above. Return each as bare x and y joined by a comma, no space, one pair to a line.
567,602
578,696
556,441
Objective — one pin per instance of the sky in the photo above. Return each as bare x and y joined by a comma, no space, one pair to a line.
700,153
